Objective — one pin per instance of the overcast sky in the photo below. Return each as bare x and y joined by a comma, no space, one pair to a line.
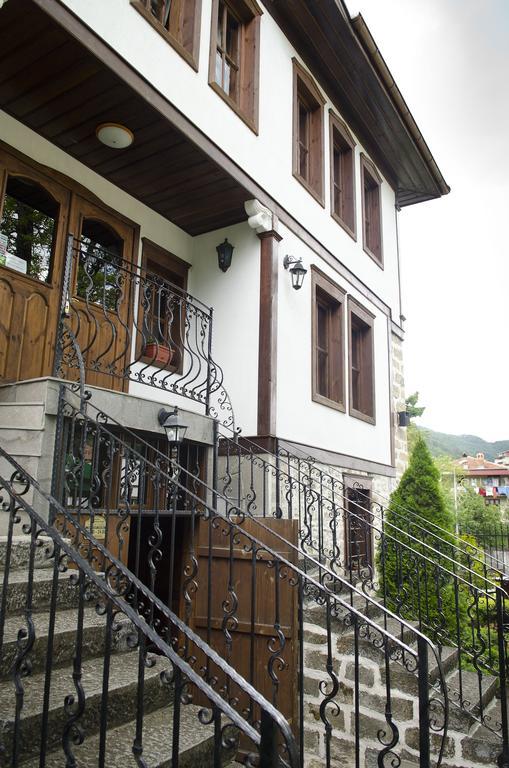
450,59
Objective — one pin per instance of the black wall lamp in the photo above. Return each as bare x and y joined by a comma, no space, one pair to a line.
173,425
403,419
224,255
297,270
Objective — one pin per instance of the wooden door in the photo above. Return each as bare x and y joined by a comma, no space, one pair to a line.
252,619
358,533
102,293
33,219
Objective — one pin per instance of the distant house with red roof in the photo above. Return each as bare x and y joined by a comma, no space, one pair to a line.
488,478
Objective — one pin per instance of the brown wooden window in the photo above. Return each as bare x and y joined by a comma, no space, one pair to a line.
361,354
234,56
162,308
178,21
328,346
371,210
342,177
307,132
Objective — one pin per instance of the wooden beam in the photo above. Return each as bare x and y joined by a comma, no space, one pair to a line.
267,344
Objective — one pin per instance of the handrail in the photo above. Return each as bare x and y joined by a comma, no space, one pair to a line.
338,484
234,518
116,572
399,509
469,576
237,512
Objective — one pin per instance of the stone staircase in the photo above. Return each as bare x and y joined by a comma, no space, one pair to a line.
468,744
196,740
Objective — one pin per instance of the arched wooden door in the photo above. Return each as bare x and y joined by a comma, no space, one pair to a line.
33,223
102,293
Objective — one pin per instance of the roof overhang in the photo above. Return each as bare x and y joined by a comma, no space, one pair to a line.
342,54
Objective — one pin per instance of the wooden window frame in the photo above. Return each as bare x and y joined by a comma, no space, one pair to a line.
306,92
367,167
323,288
338,129
188,52
248,14
359,314
166,265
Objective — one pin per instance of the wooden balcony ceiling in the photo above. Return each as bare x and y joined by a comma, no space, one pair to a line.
54,85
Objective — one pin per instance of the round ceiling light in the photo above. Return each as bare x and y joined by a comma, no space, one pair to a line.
114,135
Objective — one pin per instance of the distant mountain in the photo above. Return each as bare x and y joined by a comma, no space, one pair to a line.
441,444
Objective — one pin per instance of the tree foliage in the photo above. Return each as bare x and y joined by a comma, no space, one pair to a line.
413,578
475,516
414,410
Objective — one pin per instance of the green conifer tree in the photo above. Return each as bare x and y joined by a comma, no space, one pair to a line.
414,580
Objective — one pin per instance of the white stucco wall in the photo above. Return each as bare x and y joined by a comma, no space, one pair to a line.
299,418
234,295
267,158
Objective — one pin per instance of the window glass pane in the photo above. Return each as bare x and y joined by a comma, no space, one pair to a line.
28,228
323,374
220,17
219,68
322,326
100,260
232,38
303,124
227,72
156,8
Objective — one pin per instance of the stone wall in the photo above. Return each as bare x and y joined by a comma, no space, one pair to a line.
461,749
398,404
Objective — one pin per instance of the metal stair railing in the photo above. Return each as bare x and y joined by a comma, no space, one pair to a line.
154,629
292,472
328,521
405,516
152,486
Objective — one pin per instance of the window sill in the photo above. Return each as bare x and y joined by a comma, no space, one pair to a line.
322,400
317,195
191,58
378,261
344,226
251,124
362,416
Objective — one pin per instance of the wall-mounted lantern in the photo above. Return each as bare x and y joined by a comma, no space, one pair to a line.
173,425
297,270
403,419
224,255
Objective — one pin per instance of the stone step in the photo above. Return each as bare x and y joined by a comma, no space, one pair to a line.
20,552
19,415
196,743
93,638
122,694
67,591
474,693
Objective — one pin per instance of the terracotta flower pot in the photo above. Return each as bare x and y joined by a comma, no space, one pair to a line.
158,354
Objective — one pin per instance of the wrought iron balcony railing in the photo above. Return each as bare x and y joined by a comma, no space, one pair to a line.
120,323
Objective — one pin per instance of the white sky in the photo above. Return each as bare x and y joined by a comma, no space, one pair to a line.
450,59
